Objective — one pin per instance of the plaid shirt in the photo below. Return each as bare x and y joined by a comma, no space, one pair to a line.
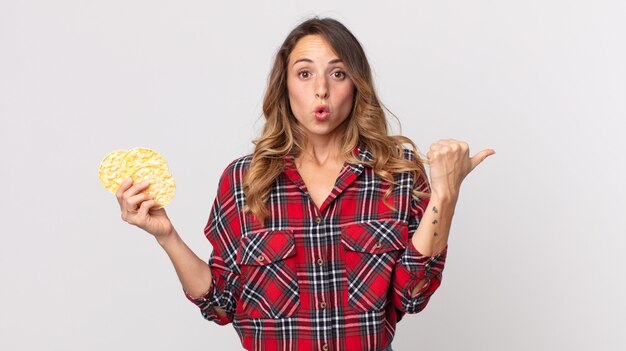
335,278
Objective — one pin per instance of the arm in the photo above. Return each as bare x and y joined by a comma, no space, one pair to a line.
138,209
431,236
417,275
450,163
194,274
219,302
211,287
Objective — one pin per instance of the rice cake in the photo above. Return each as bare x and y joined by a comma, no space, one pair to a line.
111,173
140,164
162,186
142,157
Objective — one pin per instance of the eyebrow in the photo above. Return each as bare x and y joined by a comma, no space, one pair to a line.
311,61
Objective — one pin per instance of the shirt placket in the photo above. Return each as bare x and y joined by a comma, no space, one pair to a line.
321,295
319,227
321,224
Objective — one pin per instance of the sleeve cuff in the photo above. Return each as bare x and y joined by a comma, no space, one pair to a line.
206,302
421,266
202,299
413,268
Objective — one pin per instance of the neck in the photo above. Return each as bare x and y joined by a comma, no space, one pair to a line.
322,149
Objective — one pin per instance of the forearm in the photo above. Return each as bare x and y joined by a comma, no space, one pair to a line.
193,273
431,236
449,163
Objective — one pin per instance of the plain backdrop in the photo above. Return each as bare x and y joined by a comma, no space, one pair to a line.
536,251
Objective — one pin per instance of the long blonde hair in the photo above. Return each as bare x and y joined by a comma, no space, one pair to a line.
367,124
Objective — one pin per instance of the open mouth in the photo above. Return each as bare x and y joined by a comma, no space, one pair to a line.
321,112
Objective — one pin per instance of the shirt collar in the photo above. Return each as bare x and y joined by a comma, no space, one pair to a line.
361,152
349,173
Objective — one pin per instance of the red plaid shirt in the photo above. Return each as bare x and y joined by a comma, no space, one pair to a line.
335,278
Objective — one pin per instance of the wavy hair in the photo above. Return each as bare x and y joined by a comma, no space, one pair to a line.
367,124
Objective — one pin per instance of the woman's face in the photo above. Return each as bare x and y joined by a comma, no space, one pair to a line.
320,92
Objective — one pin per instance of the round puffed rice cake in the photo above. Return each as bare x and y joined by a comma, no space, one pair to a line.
141,164
142,157
111,173
162,185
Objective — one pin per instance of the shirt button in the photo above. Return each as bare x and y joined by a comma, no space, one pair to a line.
378,245
320,261
261,258
325,347
322,305
318,220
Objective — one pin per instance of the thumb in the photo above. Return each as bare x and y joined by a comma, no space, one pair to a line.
480,157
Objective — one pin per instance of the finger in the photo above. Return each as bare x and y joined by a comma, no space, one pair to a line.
146,206
457,145
447,142
132,191
436,146
123,187
453,146
480,157
136,189
135,201
433,155
464,146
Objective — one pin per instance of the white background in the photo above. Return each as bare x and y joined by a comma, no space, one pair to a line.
536,251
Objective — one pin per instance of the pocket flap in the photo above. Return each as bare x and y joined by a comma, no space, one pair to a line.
259,249
375,236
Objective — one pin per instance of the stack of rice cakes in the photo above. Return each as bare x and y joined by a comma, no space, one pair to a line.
141,164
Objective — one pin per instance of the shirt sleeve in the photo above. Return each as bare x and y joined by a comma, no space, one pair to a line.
413,267
223,232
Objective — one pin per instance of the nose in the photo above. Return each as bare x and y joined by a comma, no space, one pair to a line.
321,88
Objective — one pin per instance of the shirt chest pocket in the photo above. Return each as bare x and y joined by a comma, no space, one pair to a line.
268,268
371,250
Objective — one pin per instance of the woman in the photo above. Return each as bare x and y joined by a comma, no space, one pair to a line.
328,233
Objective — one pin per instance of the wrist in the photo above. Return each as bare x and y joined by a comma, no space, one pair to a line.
165,239
444,198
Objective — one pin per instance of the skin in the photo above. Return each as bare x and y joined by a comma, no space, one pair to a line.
315,77
449,163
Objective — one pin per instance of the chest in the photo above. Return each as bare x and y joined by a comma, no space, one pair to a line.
319,181
329,201
343,251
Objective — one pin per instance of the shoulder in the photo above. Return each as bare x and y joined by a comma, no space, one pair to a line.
421,180
409,154
233,173
241,163
413,156
402,147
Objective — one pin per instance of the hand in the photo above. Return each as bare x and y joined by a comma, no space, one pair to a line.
137,209
449,163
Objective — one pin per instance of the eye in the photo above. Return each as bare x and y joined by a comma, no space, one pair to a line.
339,74
304,74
